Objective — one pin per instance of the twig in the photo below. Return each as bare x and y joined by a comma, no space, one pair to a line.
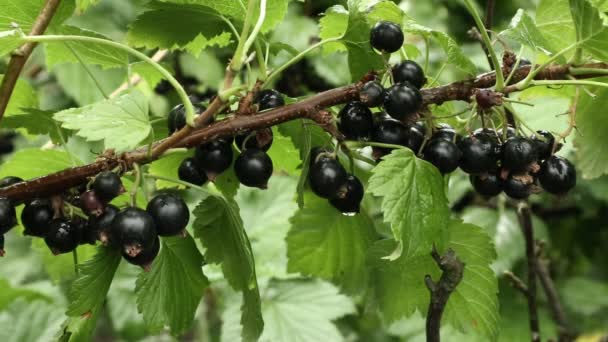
525,221
517,282
453,270
18,59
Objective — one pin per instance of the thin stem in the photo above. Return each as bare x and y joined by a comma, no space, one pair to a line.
88,71
256,29
588,71
534,72
261,61
525,220
568,82
178,181
136,184
237,60
514,68
427,54
75,258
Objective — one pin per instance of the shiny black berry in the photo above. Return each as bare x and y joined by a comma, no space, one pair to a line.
409,71
36,217
261,139
214,157
543,141
372,94
402,100
444,154
189,171
326,177
9,180
84,232
253,167
176,119
479,154
315,154
269,98
487,133
488,185
349,197
517,187
8,217
518,154
107,186
62,236
390,131
446,132
557,175
511,133
415,137
170,213
91,204
145,257
386,36
356,122
134,230
101,226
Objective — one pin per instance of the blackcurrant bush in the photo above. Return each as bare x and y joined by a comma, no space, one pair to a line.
145,257
269,98
356,122
102,225
517,187
446,132
326,177
349,197
9,180
488,185
479,154
386,36
444,154
170,213
372,94
390,131
557,175
402,100
62,236
134,230
253,167
214,157
518,154
176,119
261,139
91,204
36,217
107,186
543,141
189,171
8,216
409,71
415,137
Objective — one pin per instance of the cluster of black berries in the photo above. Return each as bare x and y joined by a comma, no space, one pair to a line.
253,167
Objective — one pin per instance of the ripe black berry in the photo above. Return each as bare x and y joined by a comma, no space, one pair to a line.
9,180
326,177
102,225
84,232
356,122
557,175
390,131
107,185
188,171
91,204
488,185
261,139
518,154
479,154
36,217
145,257
415,137
8,217
315,152
444,154
446,132
134,230
349,197
543,142
386,36
402,100
269,98
372,94
176,119
214,157
253,168
511,132
170,213
517,187
409,71
62,236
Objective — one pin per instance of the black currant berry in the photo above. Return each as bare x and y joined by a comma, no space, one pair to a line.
8,217
214,157
349,197
390,131
36,217
62,236
326,177
444,154
107,186
488,185
253,167
415,137
479,154
446,132
10,180
189,171
511,133
517,187
269,98
170,213
91,204
176,119
386,36
486,133
145,257
134,230
402,100
315,154
518,154
101,226
557,175
372,94
85,234
409,71
356,122
261,139
543,142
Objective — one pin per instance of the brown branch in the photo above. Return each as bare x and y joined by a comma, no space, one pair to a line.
19,57
525,220
453,270
517,283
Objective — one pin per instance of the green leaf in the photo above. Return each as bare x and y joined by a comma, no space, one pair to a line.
78,84
333,24
283,154
592,138
523,30
9,41
60,267
591,32
585,296
82,5
149,73
473,306
24,13
35,121
220,229
226,182
554,21
121,122
413,201
23,96
170,293
31,163
9,294
323,242
176,27
167,167
38,321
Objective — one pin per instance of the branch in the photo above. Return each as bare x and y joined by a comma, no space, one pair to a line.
18,59
525,221
453,270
